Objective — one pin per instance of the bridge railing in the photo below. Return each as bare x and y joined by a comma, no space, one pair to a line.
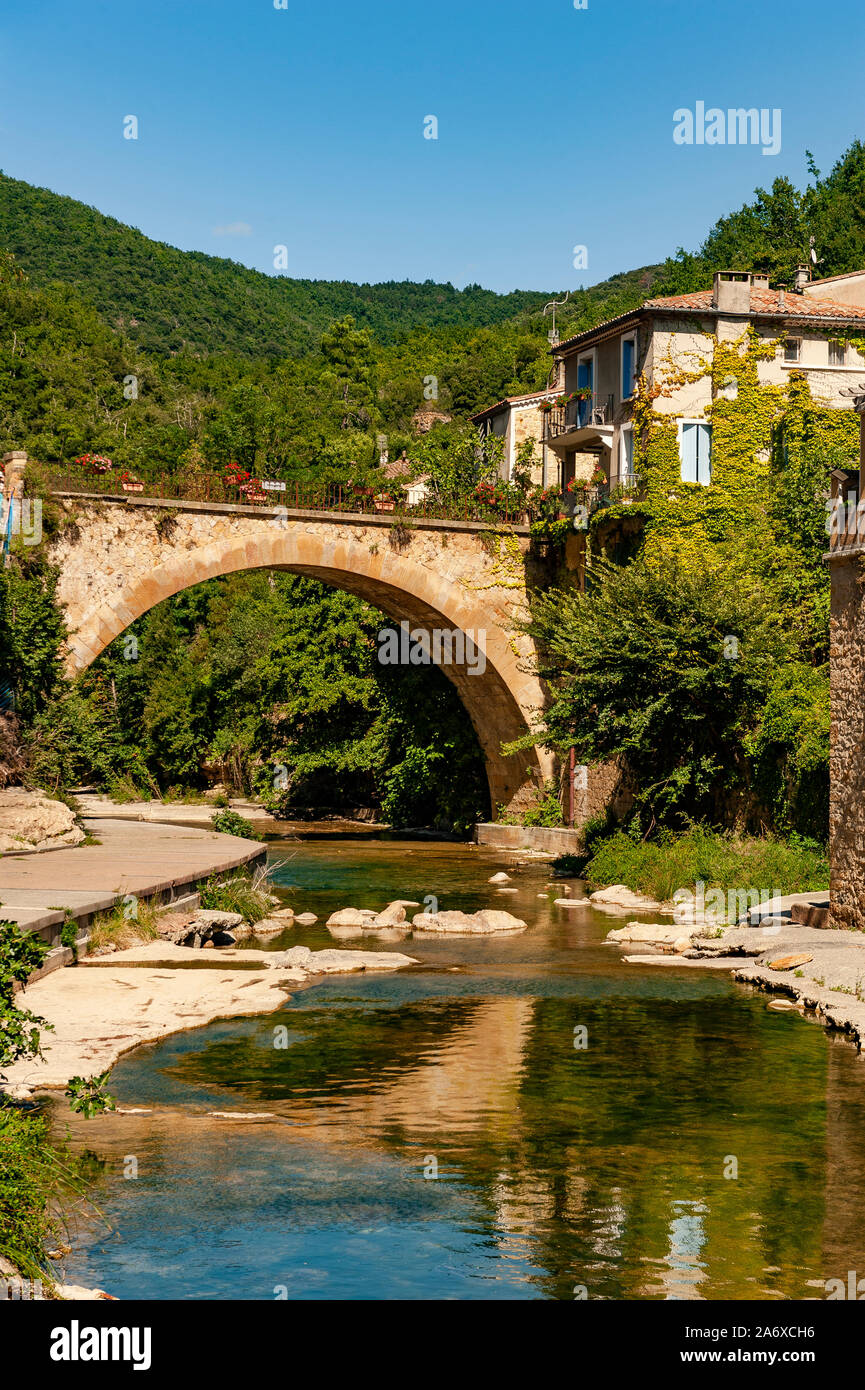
305,497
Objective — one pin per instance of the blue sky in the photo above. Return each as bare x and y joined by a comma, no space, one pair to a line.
304,126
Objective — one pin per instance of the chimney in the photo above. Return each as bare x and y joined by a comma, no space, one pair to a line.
732,292
803,278
760,280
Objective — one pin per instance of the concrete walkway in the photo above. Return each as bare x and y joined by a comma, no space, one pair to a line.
95,807
141,860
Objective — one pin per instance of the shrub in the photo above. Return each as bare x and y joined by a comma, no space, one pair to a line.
241,892
230,823
660,866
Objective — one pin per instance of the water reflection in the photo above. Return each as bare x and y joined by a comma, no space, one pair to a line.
701,1146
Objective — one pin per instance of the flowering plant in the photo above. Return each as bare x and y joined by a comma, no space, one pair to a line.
95,463
235,475
130,483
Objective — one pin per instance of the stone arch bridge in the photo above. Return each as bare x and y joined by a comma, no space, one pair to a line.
120,555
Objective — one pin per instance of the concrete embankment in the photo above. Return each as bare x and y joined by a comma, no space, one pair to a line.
161,862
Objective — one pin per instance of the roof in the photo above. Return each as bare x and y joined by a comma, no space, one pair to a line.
546,395
783,304
780,304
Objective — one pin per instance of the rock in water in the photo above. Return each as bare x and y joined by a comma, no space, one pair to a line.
485,923
620,895
350,917
270,926
499,878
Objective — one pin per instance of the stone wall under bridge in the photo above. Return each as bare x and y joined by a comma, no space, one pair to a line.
123,555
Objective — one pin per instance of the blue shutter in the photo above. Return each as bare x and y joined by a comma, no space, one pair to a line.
628,453
704,454
627,368
688,453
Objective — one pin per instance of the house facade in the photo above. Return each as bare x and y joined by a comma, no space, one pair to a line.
666,351
516,419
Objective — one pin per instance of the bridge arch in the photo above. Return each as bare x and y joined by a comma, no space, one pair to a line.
500,701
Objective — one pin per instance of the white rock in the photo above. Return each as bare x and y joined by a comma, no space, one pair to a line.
270,926
30,820
351,917
306,919
662,932
485,923
499,878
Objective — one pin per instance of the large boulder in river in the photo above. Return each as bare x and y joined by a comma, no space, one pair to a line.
351,917
337,962
485,923
32,821
350,921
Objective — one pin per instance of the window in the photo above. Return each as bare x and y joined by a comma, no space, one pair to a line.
695,452
837,353
626,454
585,382
629,367
792,349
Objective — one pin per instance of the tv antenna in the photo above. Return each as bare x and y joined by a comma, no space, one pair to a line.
554,304
813,252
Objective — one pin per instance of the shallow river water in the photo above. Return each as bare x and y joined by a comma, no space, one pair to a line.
437,1134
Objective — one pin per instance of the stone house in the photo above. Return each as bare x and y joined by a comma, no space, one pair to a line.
669,343
516,419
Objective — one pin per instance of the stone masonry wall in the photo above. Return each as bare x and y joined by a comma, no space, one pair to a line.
847,758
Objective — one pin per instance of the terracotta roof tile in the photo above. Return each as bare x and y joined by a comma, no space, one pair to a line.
517,400
766,303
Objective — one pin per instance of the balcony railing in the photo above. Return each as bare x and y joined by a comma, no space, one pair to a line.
579,414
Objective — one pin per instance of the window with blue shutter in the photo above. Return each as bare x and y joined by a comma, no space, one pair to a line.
629,362
626,466
695,451
585,374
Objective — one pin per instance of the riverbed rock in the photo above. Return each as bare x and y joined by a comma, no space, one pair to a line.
351,917
204,925
306,919
500,878
394,913
271,926
31,821
619,895
488,922
330,962
661,932
790,962
286,912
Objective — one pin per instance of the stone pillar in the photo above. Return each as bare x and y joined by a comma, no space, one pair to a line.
14,465
847,740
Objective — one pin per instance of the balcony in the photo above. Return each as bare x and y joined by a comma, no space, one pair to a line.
580,421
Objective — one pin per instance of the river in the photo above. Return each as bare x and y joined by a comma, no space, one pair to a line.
437,1133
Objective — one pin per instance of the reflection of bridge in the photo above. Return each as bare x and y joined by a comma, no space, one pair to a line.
119,554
